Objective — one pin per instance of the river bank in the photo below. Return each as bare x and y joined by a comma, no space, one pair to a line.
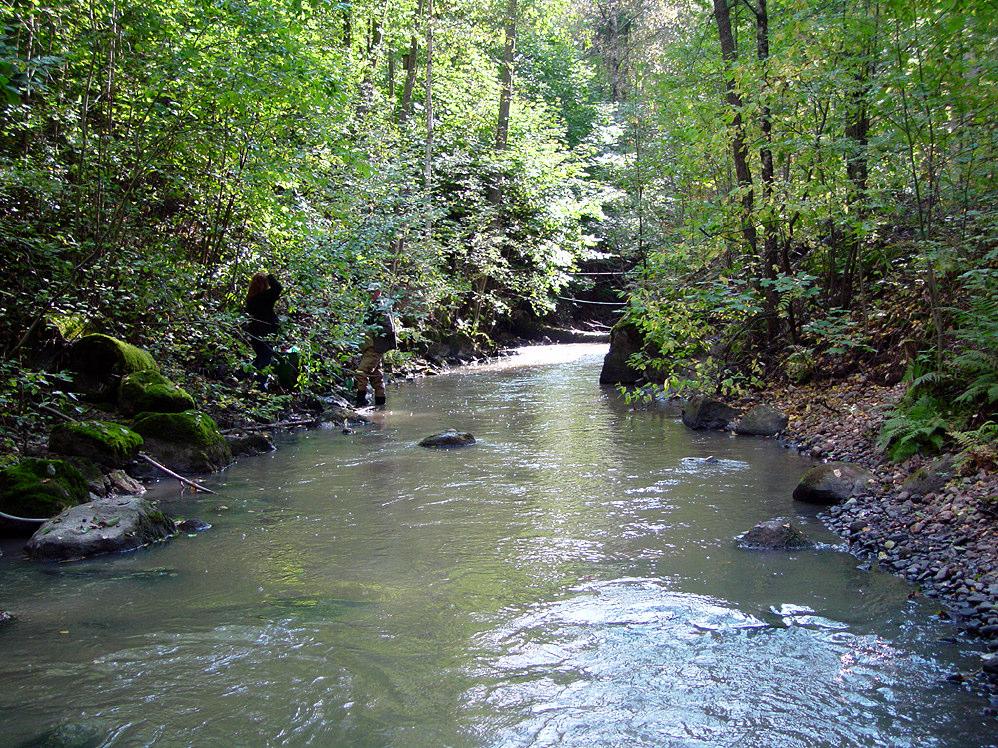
930,520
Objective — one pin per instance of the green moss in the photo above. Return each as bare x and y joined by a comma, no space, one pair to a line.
40,488
151,392
110,444
184,441
188,427
70,326
106,359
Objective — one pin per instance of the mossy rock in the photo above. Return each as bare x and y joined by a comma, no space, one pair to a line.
184,441
40,488
100,362
150,392
109,444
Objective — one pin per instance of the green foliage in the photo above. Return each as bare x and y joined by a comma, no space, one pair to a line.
839,333
918,427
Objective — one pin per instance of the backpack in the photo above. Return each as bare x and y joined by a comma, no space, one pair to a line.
387,340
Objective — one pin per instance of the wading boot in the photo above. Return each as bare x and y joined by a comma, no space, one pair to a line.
379,401
361,400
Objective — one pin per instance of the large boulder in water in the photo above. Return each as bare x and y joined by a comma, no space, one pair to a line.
188,441
109,444
447,439
98,527
701,413
762,420
832,482
625,341
150,392
100,362
36,488
774,535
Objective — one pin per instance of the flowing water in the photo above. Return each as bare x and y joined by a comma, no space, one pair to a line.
570,580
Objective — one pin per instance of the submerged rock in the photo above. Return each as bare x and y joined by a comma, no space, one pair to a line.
109,444
150,392
774,535
762,420
625,341
98,527
703,413
188,441
832,482
100,362
448,438
193,525
253,443
38,488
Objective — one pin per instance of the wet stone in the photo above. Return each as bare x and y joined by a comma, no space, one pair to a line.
193,525
774,535
448,439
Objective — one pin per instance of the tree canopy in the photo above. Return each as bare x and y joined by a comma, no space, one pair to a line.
790,185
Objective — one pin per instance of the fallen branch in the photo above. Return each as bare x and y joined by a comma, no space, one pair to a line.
179,477
55,412
26,520
276,425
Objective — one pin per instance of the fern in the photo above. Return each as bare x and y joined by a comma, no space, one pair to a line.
918,428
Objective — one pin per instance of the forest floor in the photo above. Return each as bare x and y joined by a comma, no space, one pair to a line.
940,532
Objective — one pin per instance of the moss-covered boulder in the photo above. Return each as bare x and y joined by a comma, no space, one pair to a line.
109,444
40,488
150,392
187,441
100,362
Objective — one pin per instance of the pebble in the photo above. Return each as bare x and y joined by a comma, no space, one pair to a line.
946,541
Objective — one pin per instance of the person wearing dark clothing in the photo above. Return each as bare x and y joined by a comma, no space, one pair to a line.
381,338
263,293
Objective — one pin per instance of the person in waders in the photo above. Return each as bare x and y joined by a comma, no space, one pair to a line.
264,290
380,339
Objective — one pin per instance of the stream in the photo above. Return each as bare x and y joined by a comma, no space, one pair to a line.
570,580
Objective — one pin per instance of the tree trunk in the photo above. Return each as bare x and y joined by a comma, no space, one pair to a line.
739,151
428,156
857,130
770,256
506,77
405,108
